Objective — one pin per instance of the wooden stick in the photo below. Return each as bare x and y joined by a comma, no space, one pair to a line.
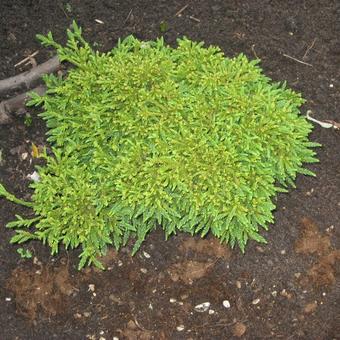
310,47
29,78
299,61
26,59
128,17
253,49
17,104
193,18
181,10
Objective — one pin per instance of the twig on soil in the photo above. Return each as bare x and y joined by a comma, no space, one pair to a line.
33,62
128,16
181,10
16,104
193,18
297,60
62,8
309,48
28,79
253,49
327,124
28,58
335,125
140,326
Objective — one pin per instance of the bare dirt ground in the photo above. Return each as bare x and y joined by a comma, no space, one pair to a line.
287,289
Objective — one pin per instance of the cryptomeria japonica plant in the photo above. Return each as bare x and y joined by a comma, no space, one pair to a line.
147,135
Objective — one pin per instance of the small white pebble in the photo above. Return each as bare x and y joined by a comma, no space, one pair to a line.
180,303
94,294
202,307
36,261
331,85
144,270
260,249
211,311
24,156
256,301
99,21
180,328
238,284
101,332
283,251
309,193
120,263
330,228
323,294
8,299
226,304
146,255
115,338
91,287
86,314
102,338
150,306
34,176
154,291
172,300
274,293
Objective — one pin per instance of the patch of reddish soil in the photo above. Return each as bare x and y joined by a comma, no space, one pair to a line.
323,271
45,288
311,241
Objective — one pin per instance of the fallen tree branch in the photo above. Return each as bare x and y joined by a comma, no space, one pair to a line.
16,104
27,79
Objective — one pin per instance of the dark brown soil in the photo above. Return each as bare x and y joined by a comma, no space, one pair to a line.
287,289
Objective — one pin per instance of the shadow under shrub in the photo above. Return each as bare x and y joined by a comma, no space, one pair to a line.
146,135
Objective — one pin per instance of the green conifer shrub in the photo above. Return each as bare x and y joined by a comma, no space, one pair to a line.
147,135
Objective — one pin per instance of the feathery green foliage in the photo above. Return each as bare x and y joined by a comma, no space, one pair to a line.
146,135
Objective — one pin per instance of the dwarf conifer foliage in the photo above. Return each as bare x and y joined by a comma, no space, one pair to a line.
147,135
